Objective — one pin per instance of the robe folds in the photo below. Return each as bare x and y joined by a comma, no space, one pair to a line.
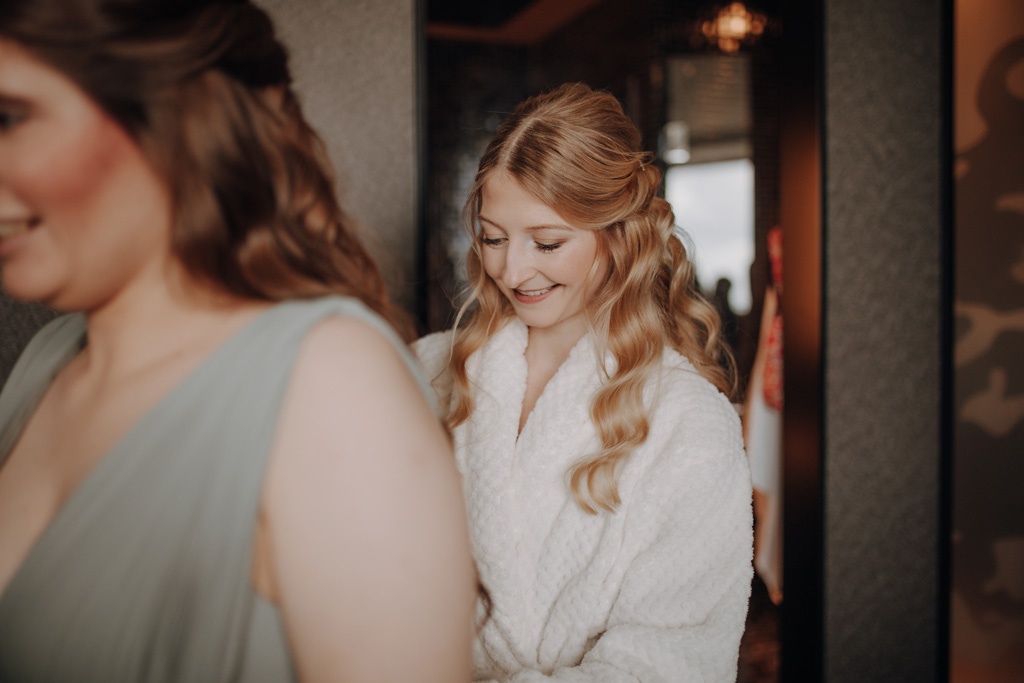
656,591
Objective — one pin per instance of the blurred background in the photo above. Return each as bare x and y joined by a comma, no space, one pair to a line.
887,139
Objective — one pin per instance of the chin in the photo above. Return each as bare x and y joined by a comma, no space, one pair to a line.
29,290
17,288
538,322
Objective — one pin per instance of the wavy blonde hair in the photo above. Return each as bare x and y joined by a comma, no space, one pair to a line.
576,151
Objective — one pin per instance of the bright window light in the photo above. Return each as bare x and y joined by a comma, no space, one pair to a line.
714,204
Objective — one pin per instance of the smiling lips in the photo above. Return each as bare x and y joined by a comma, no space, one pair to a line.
9,227
532,296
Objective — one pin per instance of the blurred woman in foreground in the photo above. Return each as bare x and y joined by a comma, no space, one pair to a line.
221,465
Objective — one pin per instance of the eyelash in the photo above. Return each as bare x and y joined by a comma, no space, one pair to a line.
495,242
10,118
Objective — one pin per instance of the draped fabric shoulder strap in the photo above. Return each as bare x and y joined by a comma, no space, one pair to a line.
144,572
50,350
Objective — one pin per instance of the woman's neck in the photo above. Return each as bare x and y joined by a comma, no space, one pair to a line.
546,350
151,322
551,345
550,349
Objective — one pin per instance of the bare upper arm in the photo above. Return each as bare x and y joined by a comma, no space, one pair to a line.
364,518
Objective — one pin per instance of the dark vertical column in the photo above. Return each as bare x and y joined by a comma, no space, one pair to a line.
421,273
886,230
947,420
766,99
800,214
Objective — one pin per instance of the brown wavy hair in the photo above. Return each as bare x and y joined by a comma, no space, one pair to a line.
203,87
576,151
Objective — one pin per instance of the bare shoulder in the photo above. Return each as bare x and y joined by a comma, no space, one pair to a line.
347,343
364,516
350,385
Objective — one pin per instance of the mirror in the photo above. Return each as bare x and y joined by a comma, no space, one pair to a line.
700,81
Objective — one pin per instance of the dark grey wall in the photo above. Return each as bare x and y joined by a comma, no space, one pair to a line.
18,322
884,238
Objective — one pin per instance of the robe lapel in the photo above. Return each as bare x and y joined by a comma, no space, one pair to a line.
521,543
486,451
561,537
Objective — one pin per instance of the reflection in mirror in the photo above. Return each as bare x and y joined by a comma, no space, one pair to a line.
699,80
709,178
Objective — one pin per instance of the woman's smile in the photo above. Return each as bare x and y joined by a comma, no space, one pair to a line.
9,227
14,232
533,296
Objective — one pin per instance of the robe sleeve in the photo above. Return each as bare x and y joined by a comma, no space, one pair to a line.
432,352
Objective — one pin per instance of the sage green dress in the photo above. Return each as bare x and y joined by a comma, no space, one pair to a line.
143,575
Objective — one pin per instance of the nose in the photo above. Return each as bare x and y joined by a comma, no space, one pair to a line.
519,264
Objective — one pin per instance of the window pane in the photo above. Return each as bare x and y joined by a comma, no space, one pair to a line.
714,204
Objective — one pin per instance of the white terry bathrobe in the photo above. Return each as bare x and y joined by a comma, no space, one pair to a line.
656,591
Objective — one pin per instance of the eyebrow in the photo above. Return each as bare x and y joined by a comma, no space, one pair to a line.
9,101
532,228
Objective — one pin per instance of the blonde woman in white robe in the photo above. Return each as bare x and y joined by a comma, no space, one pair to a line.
586,385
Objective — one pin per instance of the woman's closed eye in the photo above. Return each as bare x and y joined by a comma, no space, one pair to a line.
9,118
496,242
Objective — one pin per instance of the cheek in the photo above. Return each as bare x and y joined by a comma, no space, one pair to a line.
72,172
584,263
601,270
493,262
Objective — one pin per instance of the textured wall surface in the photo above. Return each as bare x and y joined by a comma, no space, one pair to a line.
354,66
883,331
18,322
